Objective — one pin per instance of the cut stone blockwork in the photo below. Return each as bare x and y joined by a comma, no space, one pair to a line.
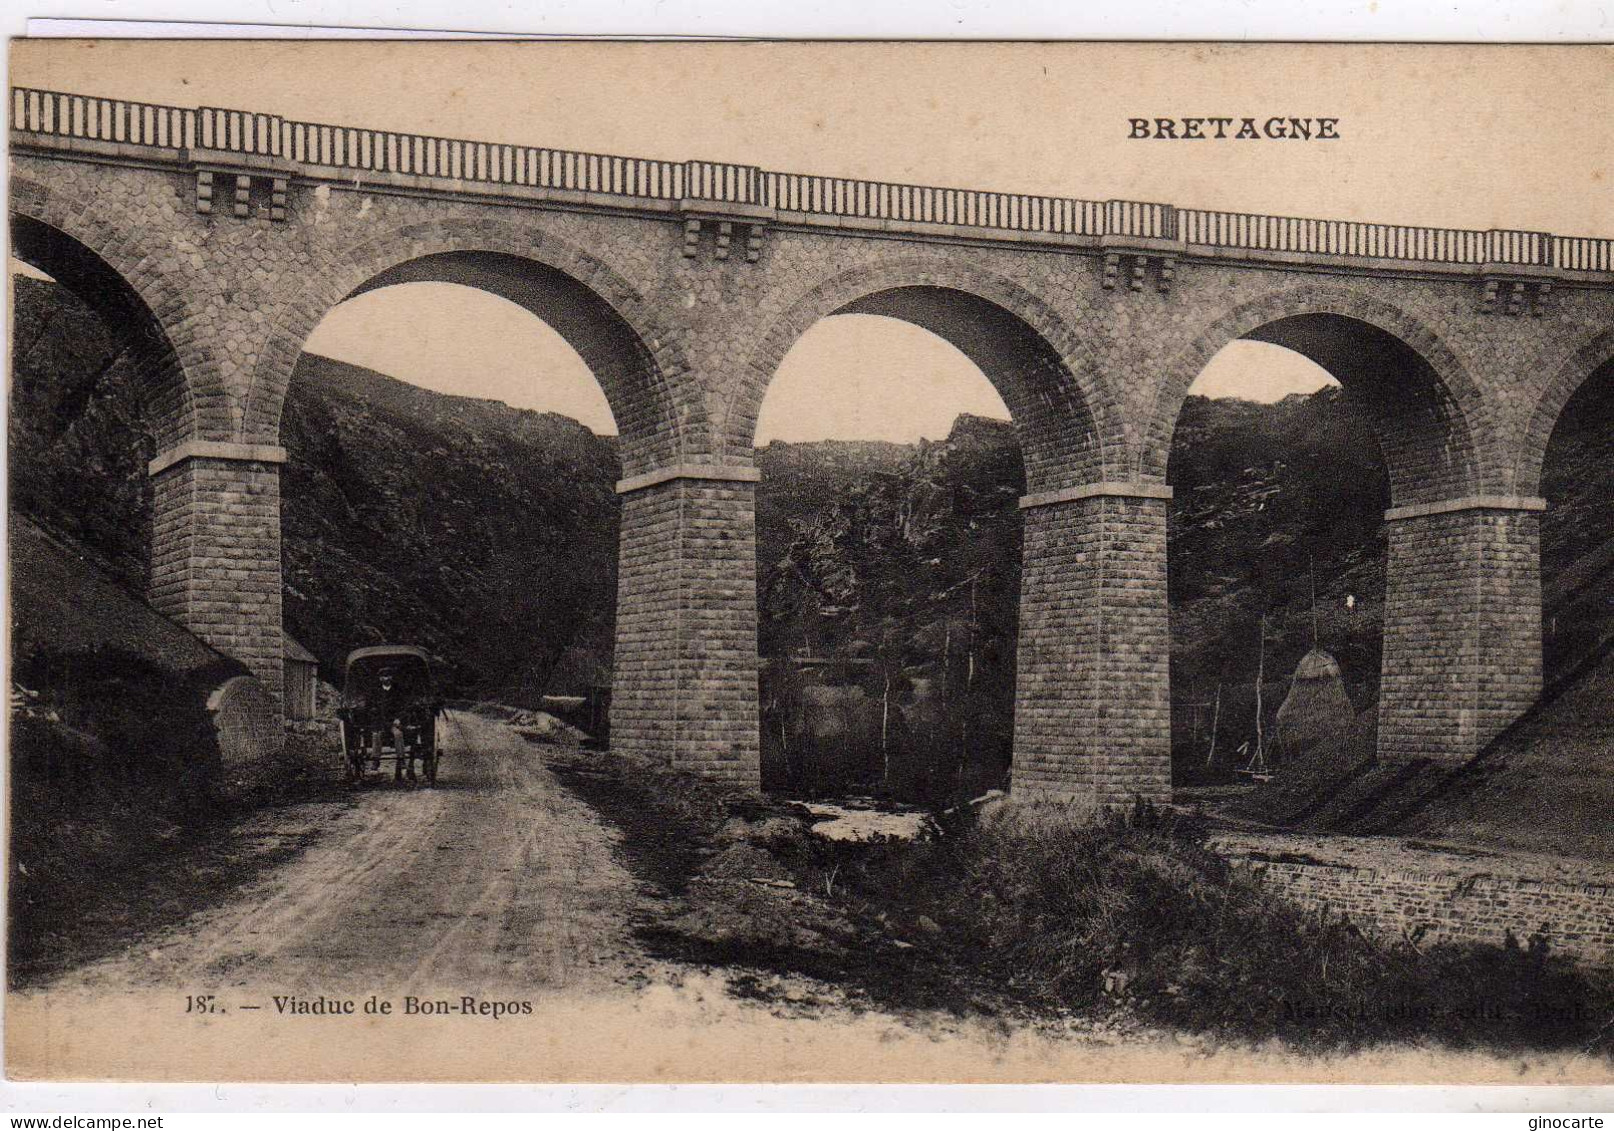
223,238
215,555
1462,626
1092,708
247,722
1454,903
684,678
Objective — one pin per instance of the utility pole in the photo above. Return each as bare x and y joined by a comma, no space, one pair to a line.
1260,758
1314,603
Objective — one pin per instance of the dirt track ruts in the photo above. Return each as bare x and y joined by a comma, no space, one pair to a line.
495,879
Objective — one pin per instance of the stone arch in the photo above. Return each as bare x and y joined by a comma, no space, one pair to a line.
1069,421
1433,427
1591,357
107,263
638,361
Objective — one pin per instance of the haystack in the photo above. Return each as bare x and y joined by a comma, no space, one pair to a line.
1315,711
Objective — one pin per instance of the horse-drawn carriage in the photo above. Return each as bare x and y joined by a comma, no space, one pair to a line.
389,712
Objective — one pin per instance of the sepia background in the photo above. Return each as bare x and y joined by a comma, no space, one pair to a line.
1466,137
1451,137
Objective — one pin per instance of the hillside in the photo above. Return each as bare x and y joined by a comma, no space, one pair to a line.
909,559
77,445
1577,532
485,533
899,565
64,603
1278,513
110,696
1547,784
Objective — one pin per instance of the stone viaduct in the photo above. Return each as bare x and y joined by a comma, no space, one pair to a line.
220,238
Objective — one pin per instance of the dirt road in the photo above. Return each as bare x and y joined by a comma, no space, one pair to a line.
496,878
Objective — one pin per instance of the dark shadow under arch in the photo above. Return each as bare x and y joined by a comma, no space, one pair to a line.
1575,474
1592,361
127,316
1277,545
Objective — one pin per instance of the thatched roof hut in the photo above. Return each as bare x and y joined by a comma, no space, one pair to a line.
1316,710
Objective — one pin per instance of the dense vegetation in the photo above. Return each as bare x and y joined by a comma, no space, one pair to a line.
77,441
889,577
1130,924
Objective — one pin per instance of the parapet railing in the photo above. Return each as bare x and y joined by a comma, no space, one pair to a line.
385,151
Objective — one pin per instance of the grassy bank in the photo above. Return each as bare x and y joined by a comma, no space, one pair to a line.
1133,919
94,870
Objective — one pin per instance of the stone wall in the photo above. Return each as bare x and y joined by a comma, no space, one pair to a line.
247,724
1576,918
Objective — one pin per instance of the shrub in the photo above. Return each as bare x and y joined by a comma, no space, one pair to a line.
1136,910
1132,913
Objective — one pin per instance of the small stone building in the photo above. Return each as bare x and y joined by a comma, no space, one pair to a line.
88,640
301,687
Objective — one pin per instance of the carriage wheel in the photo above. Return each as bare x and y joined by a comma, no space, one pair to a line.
403,758
428,752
